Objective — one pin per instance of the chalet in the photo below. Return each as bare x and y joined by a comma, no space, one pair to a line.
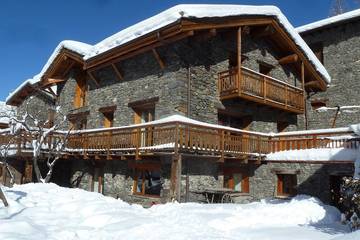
179,106
335,41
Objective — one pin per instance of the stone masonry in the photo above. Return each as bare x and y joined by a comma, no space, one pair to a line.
341,52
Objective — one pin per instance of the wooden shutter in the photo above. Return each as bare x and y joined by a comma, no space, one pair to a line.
245,187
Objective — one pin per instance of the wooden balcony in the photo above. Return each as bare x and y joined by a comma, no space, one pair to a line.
182,137
260,88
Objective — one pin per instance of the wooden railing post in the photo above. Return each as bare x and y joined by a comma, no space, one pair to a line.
176,140
222,145
264,86
85,144
137,143
286,96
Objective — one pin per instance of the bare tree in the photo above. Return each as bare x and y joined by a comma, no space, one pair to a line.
338,7
6,144
44,139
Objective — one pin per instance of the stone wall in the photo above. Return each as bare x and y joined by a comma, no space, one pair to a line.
342,60
312,179
202,60
203,173
38,105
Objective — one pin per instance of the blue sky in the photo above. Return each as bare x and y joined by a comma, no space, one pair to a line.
30,30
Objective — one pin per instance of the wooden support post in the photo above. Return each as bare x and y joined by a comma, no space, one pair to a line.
222,146
293,58
304,93
158,58
286,96
336,115
92,77
175,186
3,198
117,72
28,172
265,91
239,57
138,143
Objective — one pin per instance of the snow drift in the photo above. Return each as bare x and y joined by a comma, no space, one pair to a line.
46,211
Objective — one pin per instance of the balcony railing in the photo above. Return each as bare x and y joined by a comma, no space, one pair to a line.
260,88
184,137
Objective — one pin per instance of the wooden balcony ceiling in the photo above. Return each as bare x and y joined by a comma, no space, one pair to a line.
191,28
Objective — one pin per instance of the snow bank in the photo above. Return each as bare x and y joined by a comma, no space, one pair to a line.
350,236
324,154
328,21
46,211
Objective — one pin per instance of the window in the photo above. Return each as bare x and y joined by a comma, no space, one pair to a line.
98,180
51,118
281,126
286,185
318,49
78,121
265,68
80,92
147,180
238,181
108,116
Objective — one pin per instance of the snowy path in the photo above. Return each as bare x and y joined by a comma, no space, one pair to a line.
46,211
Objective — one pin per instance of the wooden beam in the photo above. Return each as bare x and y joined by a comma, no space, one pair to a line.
51,81
92,77
180,28
175,178
138,51
301,55
312,84
158,58
263,32
50,91
205,35
293,58
304,93
239,51
68,68
117,71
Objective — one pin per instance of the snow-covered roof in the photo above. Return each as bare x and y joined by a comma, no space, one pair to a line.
5,110
329,21
177,12
323,154
74,46
171,16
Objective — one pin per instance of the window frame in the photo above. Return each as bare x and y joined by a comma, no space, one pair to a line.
280,184
98,174
229,181
80,91
142,168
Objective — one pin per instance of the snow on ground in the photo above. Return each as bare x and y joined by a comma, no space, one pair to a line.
46,211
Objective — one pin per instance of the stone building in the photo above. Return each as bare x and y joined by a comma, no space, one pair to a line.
242,69
336,42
